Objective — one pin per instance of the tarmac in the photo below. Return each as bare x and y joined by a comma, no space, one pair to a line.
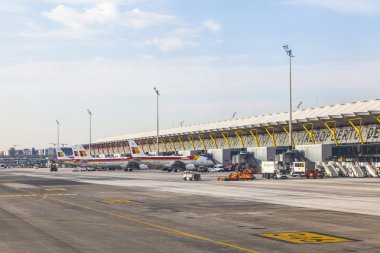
155,211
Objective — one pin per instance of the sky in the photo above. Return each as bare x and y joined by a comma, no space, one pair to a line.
208,58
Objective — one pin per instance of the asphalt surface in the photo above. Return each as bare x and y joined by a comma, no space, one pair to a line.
150,211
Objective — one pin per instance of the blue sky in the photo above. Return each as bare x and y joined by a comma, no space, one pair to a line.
209,59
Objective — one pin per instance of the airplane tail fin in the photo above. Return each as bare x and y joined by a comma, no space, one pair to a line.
60,154
80,152
135,149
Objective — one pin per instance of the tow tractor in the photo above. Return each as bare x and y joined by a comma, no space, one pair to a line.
191,176
246,174
314,174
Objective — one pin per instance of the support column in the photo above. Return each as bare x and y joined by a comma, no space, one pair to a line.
254,134
309,131
358,129
225,136
173,145
200,136
239,134
123,147
214,140
287,132
191,140
142,146
332,129
181,141
270,132
164,144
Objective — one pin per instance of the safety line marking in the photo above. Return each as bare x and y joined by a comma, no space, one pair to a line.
162,228
54,189
118,201
306,238
18,195
37,195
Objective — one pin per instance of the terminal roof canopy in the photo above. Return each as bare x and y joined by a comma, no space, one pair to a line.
337,111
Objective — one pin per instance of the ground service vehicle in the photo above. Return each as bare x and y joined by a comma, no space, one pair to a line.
191,176
313,174
268,169
53,167
300,168
236,176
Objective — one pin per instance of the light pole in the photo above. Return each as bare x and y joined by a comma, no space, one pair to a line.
290,54
90,114
158,120
57,133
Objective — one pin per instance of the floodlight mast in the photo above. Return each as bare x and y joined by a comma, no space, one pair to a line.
90,115
57,133
290,54
158,120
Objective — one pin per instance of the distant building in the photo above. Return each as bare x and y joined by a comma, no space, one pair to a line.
11,152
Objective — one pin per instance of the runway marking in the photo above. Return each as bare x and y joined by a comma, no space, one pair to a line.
54,189
161,228
118,201
59,194
36,195
83,223
306,238
18,195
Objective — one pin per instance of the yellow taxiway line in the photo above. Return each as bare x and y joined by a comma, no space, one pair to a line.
162,228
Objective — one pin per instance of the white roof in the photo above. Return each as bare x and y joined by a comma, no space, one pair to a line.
325,112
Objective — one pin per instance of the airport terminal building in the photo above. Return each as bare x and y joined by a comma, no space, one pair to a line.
349,131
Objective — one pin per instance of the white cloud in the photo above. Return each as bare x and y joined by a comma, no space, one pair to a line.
345,6
78,20
12,7
105,13
140,19
212,25
168,44
81,2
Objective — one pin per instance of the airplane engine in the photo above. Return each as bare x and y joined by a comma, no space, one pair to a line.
190,166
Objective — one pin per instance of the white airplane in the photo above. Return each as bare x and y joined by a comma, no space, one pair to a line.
83,159
62,158
170,162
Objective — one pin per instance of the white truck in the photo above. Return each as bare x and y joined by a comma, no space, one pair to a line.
191,176
269,169
300,168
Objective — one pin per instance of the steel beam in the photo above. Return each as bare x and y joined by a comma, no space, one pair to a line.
271,135
164,144
182,144
287,132
225,136
191,140
173,145
240,137
214,140
358,129
200,137
332,129
309,130
255,135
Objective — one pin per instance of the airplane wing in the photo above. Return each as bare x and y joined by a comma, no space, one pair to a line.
177,164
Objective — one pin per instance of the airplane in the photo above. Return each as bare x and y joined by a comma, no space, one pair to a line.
169,162
62,158
83,159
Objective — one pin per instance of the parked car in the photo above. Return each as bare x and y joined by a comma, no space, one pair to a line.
217,168
53,167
